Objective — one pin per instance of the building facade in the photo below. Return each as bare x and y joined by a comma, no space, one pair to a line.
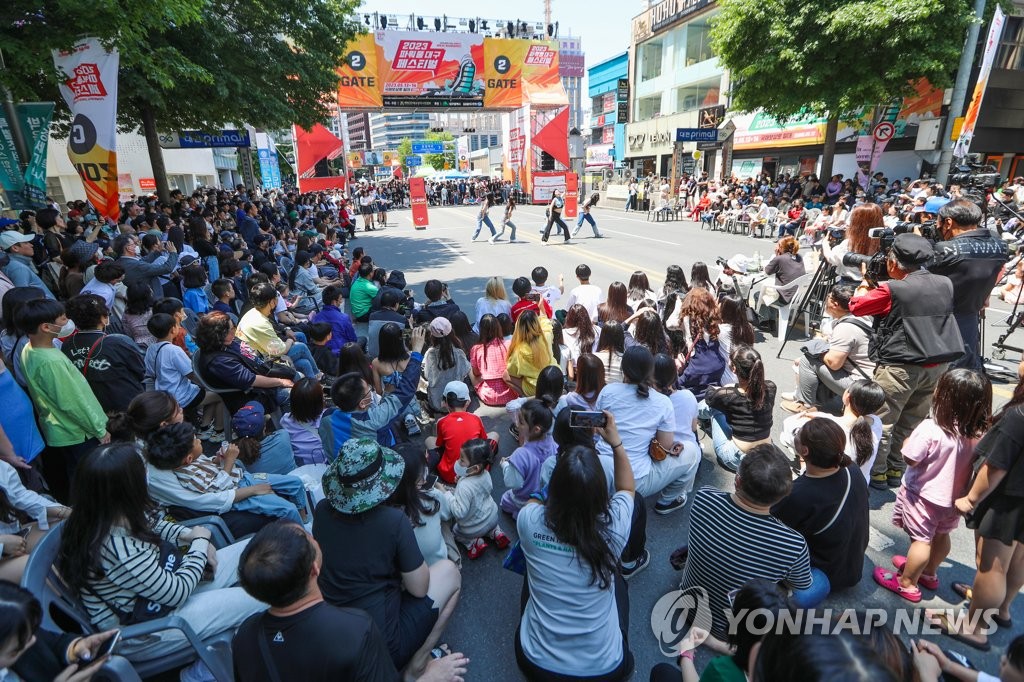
607,141
571,65
358,131
483,128
999,135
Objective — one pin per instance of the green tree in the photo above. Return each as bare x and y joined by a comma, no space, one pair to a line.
438,161
202,64
832,57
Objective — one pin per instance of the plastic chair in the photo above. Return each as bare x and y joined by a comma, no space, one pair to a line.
796,288
204,384
41,579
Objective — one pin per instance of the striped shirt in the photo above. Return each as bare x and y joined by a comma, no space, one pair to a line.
131,569
730,546
204,475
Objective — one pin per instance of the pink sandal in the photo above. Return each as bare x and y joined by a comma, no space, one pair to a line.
891,581
930,582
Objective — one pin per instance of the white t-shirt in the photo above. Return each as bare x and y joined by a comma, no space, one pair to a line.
570,626
638,420
792,424
170,366
588,296
685,406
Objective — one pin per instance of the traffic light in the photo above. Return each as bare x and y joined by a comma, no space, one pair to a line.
437,130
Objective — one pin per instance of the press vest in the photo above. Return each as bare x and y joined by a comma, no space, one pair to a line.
920,328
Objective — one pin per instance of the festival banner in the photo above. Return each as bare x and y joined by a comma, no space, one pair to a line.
462,152
35,120
517,71
11,178
963,143
266,163
431,70
544,185
125,187
355,160
358,79
418,201
90,90
572,195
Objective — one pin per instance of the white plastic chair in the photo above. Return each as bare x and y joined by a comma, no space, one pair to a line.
796,287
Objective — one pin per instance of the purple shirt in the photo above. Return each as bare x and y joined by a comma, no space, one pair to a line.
527,460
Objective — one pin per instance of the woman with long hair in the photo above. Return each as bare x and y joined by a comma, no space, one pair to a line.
700,277
574,570
615,307
425,509
116,555
528,354
463,330
493,302
647,331
392,359
862,219
302,284
444,361
506,220
675,283
590,381
698,316
735,329
585,209
487,361
638,291
611,344
580,335
741,414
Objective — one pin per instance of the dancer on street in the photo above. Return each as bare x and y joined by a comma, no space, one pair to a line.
507,220
483,219
585,215
555,216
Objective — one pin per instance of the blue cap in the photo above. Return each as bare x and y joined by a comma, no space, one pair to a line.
935,203
249,421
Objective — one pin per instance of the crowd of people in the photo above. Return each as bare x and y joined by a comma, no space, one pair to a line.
202,357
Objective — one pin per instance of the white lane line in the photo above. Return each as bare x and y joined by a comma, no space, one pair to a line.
628,234
878,541
453,250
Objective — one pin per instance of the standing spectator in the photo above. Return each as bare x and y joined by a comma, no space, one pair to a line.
20,268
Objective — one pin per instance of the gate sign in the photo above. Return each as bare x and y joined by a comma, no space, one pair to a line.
413,161
428,147
696,135
884,131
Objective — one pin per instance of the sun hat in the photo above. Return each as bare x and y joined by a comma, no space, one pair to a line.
440,327
363,475
85,251
738,263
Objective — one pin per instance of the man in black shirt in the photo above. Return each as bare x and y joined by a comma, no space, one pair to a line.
972,259
301,637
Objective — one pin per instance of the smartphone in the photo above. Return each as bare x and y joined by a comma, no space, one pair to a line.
105,648
407,334
585,419
429,481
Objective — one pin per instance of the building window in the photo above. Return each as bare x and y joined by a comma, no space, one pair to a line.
650,60
55,190
1011,46
697,95
648,108
494,140
698,43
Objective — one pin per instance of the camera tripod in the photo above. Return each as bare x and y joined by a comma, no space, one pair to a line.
813,303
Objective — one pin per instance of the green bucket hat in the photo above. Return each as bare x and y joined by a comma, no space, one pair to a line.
364,475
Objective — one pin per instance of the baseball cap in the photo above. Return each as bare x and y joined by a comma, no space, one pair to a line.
456,391
12,237
935,203
912,249
249,421
440,327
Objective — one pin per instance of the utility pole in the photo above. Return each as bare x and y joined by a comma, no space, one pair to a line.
956,105
547,13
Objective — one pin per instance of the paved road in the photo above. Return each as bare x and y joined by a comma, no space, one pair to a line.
485,622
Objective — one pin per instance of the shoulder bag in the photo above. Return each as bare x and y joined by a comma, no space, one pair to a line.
842,502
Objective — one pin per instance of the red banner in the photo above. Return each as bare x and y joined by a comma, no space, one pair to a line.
418,199
572,195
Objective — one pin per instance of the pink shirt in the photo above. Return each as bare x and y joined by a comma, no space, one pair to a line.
489,362
939,464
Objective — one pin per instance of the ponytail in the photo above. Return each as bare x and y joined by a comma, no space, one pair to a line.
756,389
863,439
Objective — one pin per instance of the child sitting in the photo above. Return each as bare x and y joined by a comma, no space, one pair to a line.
261,449
193,281
453,430
521,471
1011,664
177,447
303,422
319,335
471,505
224,292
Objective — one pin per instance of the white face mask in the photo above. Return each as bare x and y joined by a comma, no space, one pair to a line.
460,470
67,330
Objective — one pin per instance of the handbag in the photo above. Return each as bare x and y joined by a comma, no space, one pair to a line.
657,451
704,367
515,560
280,368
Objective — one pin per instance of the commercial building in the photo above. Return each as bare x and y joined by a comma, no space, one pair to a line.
999,135
607,137
387,130
483,128
358,131
570,68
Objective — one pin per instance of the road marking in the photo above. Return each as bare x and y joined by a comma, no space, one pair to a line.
879,541
453,250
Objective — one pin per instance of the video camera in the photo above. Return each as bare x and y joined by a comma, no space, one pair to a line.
876,269
976,176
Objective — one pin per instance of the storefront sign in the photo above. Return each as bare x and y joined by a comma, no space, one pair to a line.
599,155
622,116
696,135
622,90
608,134
671,11
638,141
608,100
710,117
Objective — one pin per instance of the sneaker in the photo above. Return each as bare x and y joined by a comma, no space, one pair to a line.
795,406
879,481
205,434
411,427
500,539
478,548
894,477
629,570
669,507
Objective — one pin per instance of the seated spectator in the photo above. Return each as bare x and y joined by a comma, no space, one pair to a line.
453,430
138,310
110,363
580,336
362,292
787,265
370,557
464,331
224,296
107,283
18,539
225,366
263,448
522,469
391,361
733,538
439,303
474,514
529,300
590,381
168,368
828,505
281,567
357,415
586,294
488,361
642,416
615,307
611,345
302,282
320,336
575,622
828,368
444,361
256,329
341,326
819,657
72,421
117,558
388,312
302,424
427,509
529,353
493,302
175,448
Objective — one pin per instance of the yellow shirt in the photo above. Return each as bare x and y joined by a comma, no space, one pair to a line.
520,364
256,330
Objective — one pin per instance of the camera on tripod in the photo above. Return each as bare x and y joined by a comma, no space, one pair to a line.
876,269
834,235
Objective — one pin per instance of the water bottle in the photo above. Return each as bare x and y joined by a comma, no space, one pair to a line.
757,261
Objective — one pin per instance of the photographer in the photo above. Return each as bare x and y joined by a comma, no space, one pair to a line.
915,339
862,219
972,258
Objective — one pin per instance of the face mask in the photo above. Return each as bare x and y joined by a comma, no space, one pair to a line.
67,330
460,470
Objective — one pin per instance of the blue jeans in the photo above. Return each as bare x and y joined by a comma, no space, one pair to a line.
968,325
289,494
816,593
726,451
512,234
589,219
303,359
480,222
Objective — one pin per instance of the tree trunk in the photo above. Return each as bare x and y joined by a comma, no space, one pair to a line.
828,154
156,154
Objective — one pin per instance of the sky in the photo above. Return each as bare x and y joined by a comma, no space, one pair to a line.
603,26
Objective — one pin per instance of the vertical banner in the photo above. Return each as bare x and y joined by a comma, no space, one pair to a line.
90,89
125,187
418,201
572,195
11,178
462,153
270,173
963,143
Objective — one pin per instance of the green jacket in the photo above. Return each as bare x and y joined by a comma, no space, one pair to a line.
69,413
360,296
